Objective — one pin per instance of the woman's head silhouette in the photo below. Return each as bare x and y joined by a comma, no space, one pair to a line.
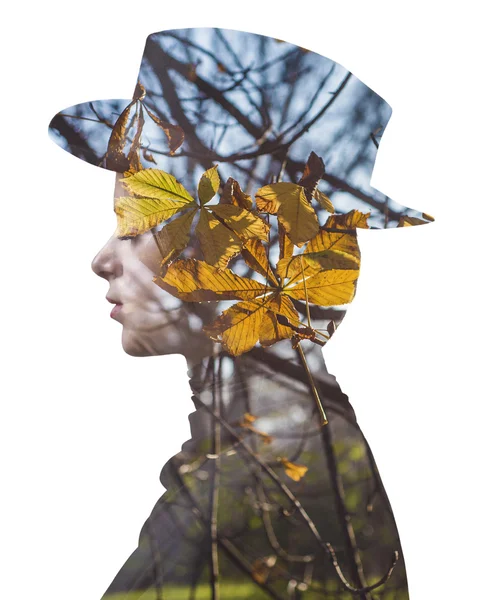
238,152
242,175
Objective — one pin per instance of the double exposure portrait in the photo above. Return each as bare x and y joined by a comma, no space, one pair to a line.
243,167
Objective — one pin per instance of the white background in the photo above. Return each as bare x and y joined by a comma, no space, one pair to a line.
85,428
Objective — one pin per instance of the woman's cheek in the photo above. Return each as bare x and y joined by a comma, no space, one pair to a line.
148,254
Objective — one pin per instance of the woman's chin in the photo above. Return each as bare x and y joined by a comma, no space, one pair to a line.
136,344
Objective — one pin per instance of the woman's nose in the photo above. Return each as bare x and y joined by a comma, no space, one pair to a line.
107,263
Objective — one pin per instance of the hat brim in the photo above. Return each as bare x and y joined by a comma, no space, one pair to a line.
84,130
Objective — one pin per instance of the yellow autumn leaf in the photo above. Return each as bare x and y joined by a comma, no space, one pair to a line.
293,470
323,200
137,215
208,185
157,184
249,418
346,243
272,330
244,223
308,262
350,220
218,243
294,212
197,281
238,327
325,288
174,236
254,255
286,246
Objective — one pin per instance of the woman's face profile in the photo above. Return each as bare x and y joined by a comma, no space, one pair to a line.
154,322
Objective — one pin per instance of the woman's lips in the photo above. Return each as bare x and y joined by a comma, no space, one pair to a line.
115,310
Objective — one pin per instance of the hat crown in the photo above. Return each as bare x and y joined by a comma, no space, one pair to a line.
255,91
254,105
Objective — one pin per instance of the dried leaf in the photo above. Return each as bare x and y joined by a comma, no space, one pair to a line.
313,172
331,328
115,157
174,133
406,221
148,156
233,194
134,153
209,185
293,470
139,92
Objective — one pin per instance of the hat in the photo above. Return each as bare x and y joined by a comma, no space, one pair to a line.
255,106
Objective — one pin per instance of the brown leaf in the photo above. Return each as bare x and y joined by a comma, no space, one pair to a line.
174,133
406,221
148,156
331,328
233,194
134,153
313,172
139,92
115,157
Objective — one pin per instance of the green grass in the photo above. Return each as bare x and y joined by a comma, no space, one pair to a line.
228,591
